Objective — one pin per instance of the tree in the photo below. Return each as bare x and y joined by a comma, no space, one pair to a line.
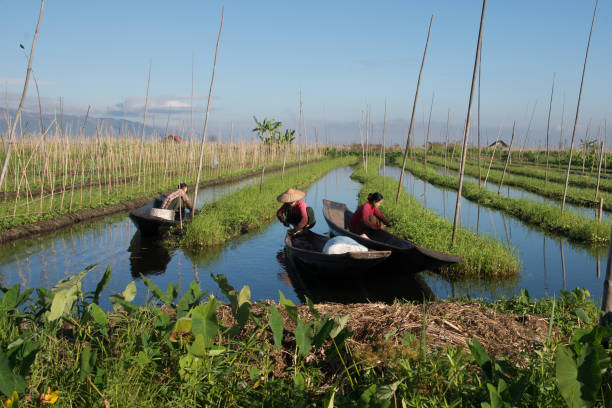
266,129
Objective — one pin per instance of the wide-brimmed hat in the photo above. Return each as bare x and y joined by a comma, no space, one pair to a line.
291,195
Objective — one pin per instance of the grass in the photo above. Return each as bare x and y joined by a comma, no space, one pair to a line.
482,255
249,208
584,197
550,219
199,351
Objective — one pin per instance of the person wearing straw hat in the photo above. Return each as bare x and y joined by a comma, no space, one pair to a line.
294,211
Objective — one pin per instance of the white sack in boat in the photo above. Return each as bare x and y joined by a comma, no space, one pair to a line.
342,245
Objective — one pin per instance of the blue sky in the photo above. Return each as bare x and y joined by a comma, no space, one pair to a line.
339,53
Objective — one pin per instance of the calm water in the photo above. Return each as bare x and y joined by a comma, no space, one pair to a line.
256,259
549,264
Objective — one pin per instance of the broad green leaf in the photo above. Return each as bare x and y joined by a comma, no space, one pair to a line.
171,294
98,315
277,325
339,323
568,378
8,301
216,351
155,290
198,348
303,337
314,311
298,381
183,325
386,391
102,284
323,332
63,301
495,397
129,292
582,315
204,321
289,307
481,357
227,289
9,382
88,362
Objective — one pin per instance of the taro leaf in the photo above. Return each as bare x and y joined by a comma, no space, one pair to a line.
62,302
244,309
88,362
66,292
191,298
343,335
314,311
98,315
227,289
12,299
386,392
204,321
367,396
289,307
277,325
323,332
123,299
155,290
303,337
482,358
582,315
578,378
495,397
9,381
198,348
216,351
298,381
339,323
45,297
171,293
102,284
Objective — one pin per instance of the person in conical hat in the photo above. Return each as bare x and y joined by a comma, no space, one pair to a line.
294,211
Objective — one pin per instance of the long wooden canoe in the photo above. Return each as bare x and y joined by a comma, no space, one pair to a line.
307,248
413,256
149,225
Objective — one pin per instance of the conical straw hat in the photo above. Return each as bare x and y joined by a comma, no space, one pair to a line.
291,195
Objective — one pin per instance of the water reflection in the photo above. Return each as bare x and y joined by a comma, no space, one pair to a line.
385,284
147,256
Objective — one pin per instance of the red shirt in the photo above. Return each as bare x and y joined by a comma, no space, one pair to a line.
362,215
298,209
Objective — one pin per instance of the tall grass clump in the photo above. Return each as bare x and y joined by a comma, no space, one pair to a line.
568,224
482,255
251,207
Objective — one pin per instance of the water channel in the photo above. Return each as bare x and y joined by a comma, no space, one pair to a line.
549,263
257,259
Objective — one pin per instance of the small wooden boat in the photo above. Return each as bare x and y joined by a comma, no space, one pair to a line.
307,248
413,256
151,221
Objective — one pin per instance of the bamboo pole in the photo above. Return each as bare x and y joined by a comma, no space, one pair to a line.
212,81
428,128
144,123
23,96
569,164
478,130
494,149
552,91
383,145
467,125
416,97
501,182
601,150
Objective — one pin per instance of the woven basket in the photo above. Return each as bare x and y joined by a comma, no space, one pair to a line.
162,213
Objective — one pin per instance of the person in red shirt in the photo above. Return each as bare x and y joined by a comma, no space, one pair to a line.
294,211
368,217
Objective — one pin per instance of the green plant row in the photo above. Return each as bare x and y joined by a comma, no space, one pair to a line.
251,207
482,255
61,348
99,196
553,189
549,218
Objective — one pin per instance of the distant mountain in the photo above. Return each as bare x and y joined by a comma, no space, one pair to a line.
72,125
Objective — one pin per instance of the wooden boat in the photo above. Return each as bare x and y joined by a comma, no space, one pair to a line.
307,248
150,225
407,252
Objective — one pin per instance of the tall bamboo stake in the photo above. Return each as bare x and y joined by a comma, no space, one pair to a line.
383,145
569,164
212,81
601,150
23,96
428,127
501,182
416,97
467,125
552,91
478,129
144,123
494,149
